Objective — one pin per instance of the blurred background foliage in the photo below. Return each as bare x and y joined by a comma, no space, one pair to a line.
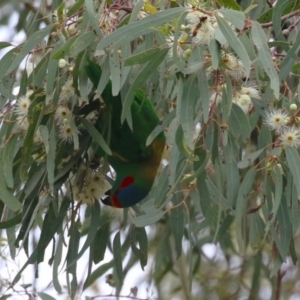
222,220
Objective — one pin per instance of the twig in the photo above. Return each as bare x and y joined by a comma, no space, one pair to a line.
38,12
283,18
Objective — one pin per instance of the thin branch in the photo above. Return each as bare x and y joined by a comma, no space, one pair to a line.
283,18
36,10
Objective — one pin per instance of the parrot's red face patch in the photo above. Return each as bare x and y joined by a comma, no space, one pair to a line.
115,202
126,182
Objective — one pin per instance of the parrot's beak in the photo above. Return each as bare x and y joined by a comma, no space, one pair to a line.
107,201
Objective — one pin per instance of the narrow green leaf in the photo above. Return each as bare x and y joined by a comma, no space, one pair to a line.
237,18
32,42
215,194
100,243
279,44
51,225
82,42
56,262
232,181
279,8
27,211
136,9
179,97
293,161
45,296
226,103
214,50
182,146
35,114
249,159
11,222
96,135
235,44
238,123
241,208
100,271
260,41
285,227
139,235
204,94
92,15
135,29
115,71
288,63
117,250
4,45
51,159
188,110
230,3
199,165
5,194
5,64
142,57
93,226
177,223
71,257
152,215
159,128
6,89
65,49
141,78
75,7
277,178
257,266
267,15
9,152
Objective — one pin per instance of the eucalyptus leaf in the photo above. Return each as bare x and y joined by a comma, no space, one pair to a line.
235,43
241,208
135,29
260,41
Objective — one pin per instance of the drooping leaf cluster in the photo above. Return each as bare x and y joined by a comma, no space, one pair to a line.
223,77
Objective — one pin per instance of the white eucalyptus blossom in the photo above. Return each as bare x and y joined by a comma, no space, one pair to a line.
244,102
22,123
65,133
170,42
95,185
250,91
62,114
67,90
235,66
276,119
22,106
290,137
201,26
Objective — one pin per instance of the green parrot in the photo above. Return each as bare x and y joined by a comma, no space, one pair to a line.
135,163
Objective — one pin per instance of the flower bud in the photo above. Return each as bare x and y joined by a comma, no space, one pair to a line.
293,107
187,53
62,63
72,29
285,32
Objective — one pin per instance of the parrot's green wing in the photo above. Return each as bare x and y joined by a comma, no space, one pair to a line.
126,144
135,163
